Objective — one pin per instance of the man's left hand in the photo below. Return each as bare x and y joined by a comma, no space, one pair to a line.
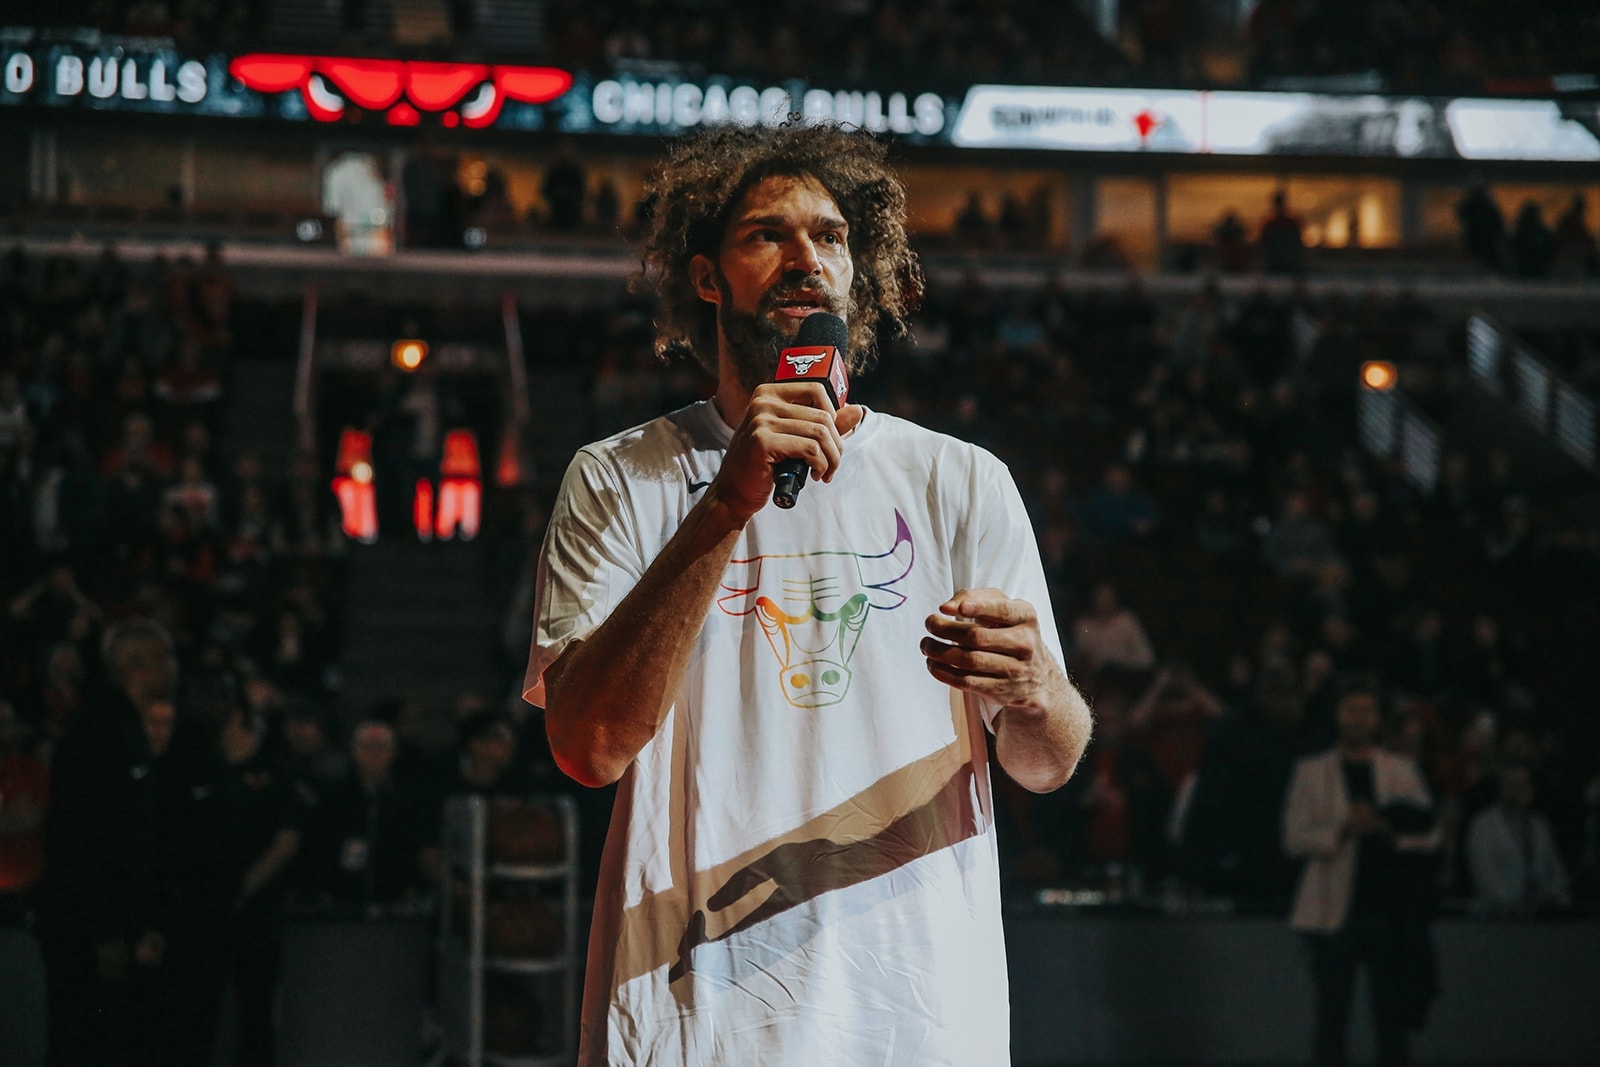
986,642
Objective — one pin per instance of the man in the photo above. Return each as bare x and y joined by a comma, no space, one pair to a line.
101,915
248,819
1353,814
801,862
1512,854
370,829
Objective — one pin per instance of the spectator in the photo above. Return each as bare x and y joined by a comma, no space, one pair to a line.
1233,248
607,206
564,189
1119,800
101,921
973,226
194,496
24,798
187,389
1533,246
1283,250
1575,242
14,418
1299,545
1118,511
1351,814
138,450
1483,227
1110,636
1511,852
250,823
369,832
312,757
1217,530
1015,228
488,767
1171,721
1230,830
489,764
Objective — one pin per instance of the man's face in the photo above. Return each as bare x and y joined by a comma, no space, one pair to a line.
373,749
1358,719
785,255
160,720
494,749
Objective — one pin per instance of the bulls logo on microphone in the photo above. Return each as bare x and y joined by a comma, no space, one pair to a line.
815,363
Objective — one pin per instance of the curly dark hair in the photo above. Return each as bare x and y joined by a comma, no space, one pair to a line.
704,177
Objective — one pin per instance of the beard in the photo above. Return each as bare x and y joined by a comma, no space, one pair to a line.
755,340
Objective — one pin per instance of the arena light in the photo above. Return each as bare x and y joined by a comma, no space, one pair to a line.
1379,375
352,485
408,354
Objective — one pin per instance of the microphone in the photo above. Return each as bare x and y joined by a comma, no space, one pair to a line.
817,355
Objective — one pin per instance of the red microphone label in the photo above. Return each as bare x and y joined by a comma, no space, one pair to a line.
817,363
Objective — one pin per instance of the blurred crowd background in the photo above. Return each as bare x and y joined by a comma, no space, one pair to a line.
1221,550
1226,551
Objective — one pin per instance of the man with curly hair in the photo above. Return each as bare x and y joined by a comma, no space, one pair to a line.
801,863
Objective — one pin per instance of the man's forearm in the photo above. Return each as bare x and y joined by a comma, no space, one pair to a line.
267,866
607,695
1040,747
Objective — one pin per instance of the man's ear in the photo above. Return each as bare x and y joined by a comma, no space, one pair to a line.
703,273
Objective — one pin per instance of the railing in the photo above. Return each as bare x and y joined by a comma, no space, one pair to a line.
1511,370
1389,424
304,376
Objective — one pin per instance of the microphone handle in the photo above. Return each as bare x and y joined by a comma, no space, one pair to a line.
788,478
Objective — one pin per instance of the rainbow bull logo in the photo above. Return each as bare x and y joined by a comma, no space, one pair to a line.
461,94
812,608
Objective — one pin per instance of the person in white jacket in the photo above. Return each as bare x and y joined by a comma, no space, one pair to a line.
1345,818
1512,854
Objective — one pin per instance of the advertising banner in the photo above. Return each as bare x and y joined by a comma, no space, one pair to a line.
85,70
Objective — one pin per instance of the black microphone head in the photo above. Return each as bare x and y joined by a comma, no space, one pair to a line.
823,328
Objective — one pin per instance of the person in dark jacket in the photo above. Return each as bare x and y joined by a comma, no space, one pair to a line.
101,921
369,833
248,820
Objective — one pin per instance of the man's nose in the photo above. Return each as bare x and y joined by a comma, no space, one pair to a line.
803,255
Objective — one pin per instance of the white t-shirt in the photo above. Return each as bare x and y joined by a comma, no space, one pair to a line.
801,864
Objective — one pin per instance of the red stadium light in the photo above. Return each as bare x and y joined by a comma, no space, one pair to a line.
460,487
352,485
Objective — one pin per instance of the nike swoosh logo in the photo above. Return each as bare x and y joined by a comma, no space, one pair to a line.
695,487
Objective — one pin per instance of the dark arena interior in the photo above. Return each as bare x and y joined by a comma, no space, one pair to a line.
1284,316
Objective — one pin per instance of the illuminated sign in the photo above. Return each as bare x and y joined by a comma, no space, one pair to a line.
1264,124
136,76
683,105
82,69
402,90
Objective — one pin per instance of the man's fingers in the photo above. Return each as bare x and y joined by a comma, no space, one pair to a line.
967,659
1001,689
990,607
791,431
848,418
1005,641
806,394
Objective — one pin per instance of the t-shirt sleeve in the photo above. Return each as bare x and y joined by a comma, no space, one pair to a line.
589,562
997,549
